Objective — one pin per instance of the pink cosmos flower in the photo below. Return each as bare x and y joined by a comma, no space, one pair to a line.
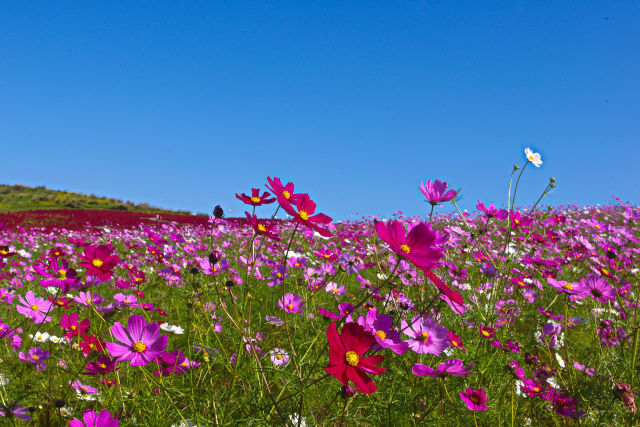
169,363
381,326
78,386
279,190
93,419
453,367
34,355
261,227
88,298
141,342
436,192
35,307
491,211
428,336
475,399
62,277
291,303
99,260
597,288
279,357
418,246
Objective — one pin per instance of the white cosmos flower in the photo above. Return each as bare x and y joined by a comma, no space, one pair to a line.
533,157
171,328
40,337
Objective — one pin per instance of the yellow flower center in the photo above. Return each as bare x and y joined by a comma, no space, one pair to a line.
97,263
279,275
35,357
262,227
62,273
486,333
568,286
334,290
521,284
517,221
279,357
605,271
102,365
530,158
35,307
597,226
405,248
139,347
304,215
381,334
73,327
424,337
286,194
352,358
289,307
127,301
255,199
88,300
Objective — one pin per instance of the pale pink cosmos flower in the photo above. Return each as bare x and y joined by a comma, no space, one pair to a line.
35,307
533,158
428,336
141,342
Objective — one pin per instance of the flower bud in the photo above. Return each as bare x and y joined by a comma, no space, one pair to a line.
552,179
516,167
218,212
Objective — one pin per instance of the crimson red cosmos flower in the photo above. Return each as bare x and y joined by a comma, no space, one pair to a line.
260,227
99,261
70,323
256,199
345,356
304,215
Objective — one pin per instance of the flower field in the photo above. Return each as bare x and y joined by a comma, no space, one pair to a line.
498,316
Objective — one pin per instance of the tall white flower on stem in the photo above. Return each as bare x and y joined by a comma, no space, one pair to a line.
533,157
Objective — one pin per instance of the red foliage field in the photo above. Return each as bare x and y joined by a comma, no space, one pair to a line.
77,219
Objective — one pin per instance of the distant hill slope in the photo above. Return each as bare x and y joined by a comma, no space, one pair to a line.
20,198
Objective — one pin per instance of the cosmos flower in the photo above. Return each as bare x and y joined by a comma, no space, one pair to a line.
14,410
69,322
533,158
261,227
93,419
61,275
256,199
103,365
346,361
291,303
428,336
418,246
279,357
35,307
436,192
141,342
474,399
381,326
597,288
99,260
305,214
453,367
285,191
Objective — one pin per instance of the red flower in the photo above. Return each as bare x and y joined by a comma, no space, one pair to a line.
345,356
260,227
99,261
256,199
91,342
304,215
70,323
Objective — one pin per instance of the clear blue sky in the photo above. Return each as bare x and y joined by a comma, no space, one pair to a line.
182,104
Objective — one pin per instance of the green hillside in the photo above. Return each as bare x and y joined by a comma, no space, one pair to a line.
21,197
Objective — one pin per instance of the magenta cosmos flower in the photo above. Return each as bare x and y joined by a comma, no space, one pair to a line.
428,336
256,199
99,261
475,399
279,190
305,214
453,367
93,419
418,246
381,326
598,288
35,307
141,342
291,303
436,192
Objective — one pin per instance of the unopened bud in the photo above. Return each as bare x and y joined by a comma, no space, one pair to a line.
552,179
552,185
218,212
516,167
